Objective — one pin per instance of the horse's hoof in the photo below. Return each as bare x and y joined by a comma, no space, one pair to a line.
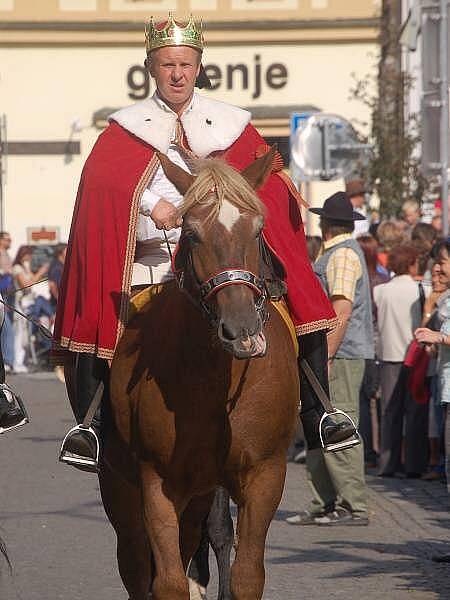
196,591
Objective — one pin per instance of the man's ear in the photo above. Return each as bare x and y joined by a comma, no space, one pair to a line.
258,171
180,178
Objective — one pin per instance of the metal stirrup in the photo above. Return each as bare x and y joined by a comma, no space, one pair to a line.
355,439
85,426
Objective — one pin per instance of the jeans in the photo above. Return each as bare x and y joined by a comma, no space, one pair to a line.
7,339
42,307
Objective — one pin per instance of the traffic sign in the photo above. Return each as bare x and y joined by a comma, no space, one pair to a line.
324,147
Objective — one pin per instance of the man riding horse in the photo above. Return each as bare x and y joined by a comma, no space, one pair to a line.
126,221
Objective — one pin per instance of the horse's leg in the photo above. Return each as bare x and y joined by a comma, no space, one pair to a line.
221,537
194,544
161,517
198,572
191,521
258,496
123,505
218,531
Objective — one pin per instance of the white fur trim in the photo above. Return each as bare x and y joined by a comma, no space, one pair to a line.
209,125
149,122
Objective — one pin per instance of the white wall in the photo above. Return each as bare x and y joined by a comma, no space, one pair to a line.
43,90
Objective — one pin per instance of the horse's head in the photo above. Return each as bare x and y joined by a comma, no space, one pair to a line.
222,224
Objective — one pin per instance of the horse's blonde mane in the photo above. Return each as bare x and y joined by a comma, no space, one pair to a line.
215,182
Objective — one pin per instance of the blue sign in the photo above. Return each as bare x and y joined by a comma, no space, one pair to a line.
299,120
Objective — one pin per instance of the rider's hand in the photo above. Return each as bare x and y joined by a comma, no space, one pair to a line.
165,215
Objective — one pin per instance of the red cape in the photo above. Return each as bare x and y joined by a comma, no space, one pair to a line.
94,295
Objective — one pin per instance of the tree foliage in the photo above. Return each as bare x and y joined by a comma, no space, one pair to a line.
393,169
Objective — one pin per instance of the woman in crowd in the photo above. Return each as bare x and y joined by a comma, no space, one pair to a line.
435,412
23,278
389,236
399,313
368,421
441,341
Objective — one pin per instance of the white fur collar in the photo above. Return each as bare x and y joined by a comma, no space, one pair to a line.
209,125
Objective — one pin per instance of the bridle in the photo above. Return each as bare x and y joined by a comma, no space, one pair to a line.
206,290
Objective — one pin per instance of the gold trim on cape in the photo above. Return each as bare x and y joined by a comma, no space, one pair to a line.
131,245
311,327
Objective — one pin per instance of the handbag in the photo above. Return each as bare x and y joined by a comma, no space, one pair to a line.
416,361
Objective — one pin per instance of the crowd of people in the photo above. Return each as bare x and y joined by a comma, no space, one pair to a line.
406,386
30,288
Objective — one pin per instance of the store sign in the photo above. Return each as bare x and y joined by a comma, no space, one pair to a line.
42,235
251,76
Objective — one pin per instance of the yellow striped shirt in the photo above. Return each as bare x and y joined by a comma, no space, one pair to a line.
343,269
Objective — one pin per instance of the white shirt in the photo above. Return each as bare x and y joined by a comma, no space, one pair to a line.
361,226
160,187
399,314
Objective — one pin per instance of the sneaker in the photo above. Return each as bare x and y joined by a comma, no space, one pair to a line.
20,369
304,517
340,516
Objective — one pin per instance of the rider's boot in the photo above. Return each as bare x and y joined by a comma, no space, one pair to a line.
12,410
81,446
321,430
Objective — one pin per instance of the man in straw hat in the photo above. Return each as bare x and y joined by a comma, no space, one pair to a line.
337,480
125,201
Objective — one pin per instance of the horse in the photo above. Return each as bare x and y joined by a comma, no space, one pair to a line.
203,393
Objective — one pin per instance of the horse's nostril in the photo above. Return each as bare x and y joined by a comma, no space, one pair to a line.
226,333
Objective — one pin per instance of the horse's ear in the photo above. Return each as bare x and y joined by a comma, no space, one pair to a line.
259,170
180,178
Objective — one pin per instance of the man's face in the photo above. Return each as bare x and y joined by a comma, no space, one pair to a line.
6,242
175,70
412,216
357,201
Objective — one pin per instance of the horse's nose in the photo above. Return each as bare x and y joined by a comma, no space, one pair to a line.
231,332
227,331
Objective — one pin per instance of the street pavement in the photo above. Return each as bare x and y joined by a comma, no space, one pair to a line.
62,546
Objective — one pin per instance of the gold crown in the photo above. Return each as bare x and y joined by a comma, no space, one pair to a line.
174,34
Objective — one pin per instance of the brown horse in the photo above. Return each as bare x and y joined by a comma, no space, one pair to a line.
202,395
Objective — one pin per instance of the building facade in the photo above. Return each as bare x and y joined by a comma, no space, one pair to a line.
66,64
